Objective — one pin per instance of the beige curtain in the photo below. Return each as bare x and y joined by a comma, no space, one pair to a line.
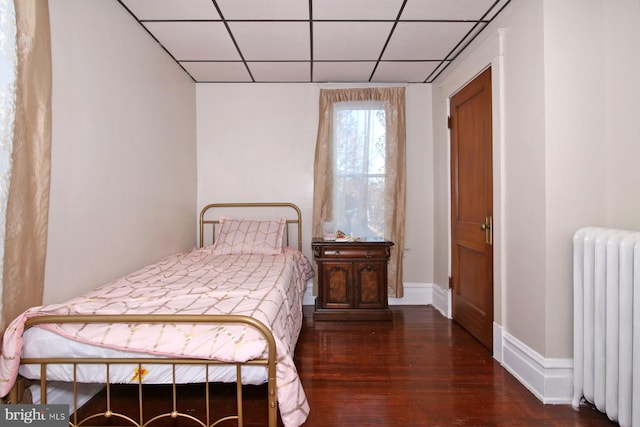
394,101
28,197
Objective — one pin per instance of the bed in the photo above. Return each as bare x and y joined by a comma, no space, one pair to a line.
229,311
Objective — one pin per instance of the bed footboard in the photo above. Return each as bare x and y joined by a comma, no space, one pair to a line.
172,410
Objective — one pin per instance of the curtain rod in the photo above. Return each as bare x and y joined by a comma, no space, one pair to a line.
343,85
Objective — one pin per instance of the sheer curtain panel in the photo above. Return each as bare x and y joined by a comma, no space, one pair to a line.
7,112
359,171
25,239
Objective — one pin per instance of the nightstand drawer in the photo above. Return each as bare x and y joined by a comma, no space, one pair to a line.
352,252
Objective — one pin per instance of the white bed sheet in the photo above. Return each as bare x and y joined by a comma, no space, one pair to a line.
44,343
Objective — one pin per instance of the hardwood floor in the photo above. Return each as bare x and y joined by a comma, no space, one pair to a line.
418,370
421,369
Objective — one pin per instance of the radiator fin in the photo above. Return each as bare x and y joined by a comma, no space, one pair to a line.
606,317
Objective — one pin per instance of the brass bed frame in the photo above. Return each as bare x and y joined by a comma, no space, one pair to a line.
16,394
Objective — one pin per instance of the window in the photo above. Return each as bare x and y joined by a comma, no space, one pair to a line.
359,177
359,148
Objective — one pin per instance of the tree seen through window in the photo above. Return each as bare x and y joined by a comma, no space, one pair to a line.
359,151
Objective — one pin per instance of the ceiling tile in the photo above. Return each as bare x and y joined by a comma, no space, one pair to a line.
280,71
217,71
172,9
425,40
445,9
279,41
264,9
194,40
349,40
272,41
342,71
414,72
467,39
356,9
440,68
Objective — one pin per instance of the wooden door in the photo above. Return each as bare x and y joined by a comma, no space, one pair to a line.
471,208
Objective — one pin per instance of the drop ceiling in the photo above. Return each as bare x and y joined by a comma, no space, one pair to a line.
291,41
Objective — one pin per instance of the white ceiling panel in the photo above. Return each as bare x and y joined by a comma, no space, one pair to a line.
460,10
413,72
425,40
468,38
189,41
280,71
264,9
342,71
439,69
217,71
349,40
288,41
356,9
172,9
314,40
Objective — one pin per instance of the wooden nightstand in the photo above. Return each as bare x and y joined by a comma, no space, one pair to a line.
352,280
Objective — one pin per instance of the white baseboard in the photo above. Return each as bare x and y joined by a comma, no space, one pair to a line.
550,380
414,294
308,298
442,300
497,342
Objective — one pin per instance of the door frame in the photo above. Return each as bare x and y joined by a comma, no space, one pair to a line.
464,73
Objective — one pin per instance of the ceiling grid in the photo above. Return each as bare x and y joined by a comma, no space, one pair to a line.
297,41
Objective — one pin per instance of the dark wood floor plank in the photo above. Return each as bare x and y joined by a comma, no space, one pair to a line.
418,370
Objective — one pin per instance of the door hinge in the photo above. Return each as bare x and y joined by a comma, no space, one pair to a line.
449,122
450,282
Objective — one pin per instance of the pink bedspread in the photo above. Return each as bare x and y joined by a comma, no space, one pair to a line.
268,288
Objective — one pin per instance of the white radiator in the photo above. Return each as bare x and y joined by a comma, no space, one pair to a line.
606,319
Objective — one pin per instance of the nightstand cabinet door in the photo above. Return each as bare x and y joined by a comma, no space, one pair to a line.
337,290
370,285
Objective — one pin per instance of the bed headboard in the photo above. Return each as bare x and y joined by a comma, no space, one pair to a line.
210,218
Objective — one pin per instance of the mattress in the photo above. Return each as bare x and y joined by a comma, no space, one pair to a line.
44,343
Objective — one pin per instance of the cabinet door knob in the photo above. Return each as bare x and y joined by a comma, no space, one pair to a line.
368,254
337,252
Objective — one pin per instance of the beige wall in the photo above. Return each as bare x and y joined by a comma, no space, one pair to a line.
256,142
566,143
124,146
622,92
575,145
123,184
592,137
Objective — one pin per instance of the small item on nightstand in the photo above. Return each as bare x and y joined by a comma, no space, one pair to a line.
328,231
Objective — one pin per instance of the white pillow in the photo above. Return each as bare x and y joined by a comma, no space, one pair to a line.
249,237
